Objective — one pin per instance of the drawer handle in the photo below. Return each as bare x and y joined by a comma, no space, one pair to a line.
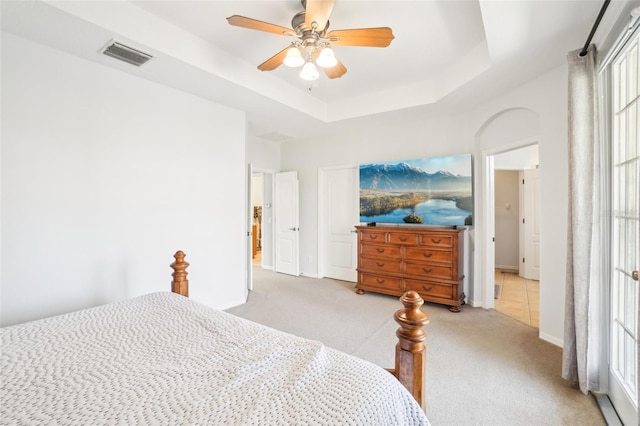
380,264
427,270
425,288
373,237
436,241
402,238
427,254
379,280
379,250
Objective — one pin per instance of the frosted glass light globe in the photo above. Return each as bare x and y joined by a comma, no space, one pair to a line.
309,72
293,58
327,59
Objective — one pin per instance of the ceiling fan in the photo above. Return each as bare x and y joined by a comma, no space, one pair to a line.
313,46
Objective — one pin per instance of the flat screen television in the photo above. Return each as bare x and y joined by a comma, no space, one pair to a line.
429,191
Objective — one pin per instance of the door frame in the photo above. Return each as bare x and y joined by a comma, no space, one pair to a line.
321,220
607,389
271,243
249,231
251,170
487,289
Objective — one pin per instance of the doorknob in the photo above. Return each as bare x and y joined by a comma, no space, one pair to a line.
634,275
294,229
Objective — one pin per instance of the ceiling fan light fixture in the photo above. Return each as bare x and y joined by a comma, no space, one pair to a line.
326,59
294,58
312,49
309,72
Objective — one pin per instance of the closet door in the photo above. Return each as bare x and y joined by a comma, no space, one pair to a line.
339,213
286,223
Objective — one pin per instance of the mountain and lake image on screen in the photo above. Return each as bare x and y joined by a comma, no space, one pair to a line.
430,191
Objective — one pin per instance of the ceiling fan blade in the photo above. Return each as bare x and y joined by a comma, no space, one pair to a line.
336,71
371,37
318,11
254,24
275,61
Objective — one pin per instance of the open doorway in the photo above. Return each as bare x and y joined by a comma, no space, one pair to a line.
517,237
257,193
262,219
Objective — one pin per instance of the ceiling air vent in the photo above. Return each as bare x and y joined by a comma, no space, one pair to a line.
126,53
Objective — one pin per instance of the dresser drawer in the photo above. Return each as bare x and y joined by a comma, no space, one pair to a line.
380,265
429,270
437,240
429,289
380,282
406,238
396,259
428,254
377,250
373,236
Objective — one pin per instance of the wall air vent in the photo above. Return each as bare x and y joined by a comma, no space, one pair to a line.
126,53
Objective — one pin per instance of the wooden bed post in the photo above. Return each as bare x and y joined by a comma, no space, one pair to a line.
411,360
179,283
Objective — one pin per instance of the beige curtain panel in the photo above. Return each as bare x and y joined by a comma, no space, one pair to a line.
582,313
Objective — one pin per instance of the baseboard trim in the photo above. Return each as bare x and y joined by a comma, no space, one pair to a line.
508,267
607,410
230,305
551,339
302,274
473,303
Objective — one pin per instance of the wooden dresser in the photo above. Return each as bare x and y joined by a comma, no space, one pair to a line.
392,260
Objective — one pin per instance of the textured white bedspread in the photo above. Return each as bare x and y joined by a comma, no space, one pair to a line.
164,359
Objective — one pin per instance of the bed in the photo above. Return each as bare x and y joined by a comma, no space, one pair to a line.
163,358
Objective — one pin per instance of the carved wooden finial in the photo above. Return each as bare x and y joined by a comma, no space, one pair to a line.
411,320
411,357
180,284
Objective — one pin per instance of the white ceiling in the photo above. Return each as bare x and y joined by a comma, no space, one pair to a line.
446,55
424,38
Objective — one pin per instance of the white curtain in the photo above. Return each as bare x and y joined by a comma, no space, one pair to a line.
581,352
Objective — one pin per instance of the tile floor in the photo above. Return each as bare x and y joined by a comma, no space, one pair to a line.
518,298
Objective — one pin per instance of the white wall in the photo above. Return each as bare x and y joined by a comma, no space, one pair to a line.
430,136
538,109
546,99
104,176
263,154
518,159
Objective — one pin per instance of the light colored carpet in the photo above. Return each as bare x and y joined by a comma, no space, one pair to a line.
483,368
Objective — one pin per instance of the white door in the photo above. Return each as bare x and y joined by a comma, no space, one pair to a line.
249,250
286,223
625,233
339,212
531,258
